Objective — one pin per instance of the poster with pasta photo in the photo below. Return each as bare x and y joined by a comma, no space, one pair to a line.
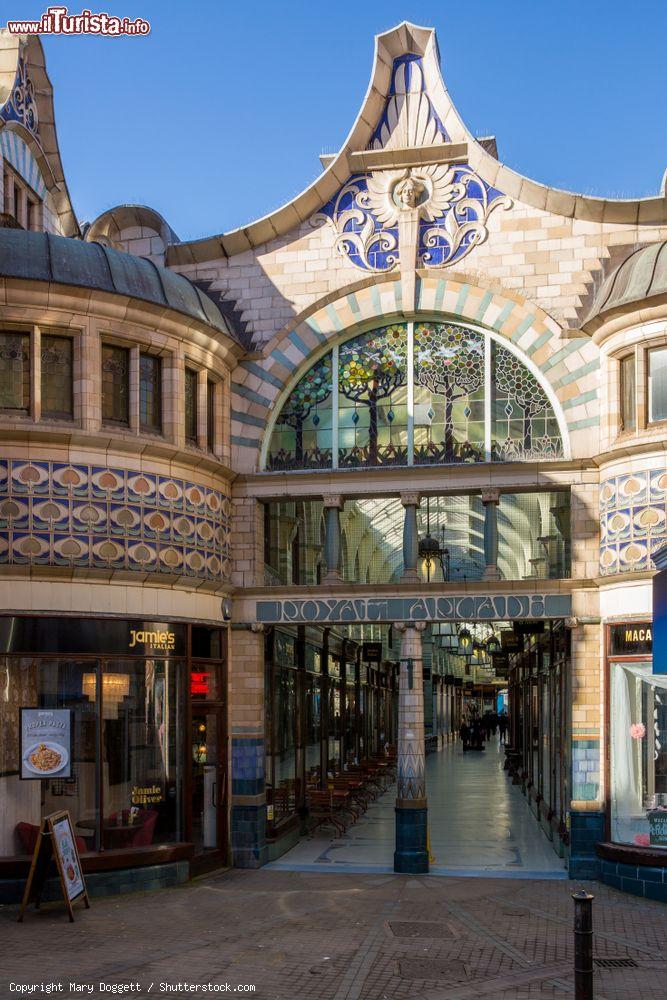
46,743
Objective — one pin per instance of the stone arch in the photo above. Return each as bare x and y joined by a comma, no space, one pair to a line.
568,365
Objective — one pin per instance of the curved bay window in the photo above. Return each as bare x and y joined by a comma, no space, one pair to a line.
415,394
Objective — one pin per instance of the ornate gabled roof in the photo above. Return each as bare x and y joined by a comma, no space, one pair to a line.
408,119
61,260
26,108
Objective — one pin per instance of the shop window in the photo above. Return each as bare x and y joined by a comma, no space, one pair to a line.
191,401
628,393
143,756
150,393
210,415
137,718
638,755
115,384
207,643
657,385
56,389
15,372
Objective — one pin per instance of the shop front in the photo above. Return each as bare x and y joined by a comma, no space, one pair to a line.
139,758
326,706
635,852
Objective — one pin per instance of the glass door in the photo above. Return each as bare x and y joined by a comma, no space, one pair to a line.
208,785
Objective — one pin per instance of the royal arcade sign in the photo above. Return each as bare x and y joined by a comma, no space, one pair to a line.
455,607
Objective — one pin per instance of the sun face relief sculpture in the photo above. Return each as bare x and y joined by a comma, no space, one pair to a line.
449,201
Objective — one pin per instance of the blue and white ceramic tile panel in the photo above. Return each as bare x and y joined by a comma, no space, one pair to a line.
14,151
94,517
633,520
21,106
407,77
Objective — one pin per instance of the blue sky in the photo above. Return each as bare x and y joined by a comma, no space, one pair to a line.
220,114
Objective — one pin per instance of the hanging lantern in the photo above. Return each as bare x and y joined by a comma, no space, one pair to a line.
465,639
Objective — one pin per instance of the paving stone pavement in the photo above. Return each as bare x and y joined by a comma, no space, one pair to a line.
340,936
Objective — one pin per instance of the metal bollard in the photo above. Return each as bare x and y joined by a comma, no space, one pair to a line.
583,945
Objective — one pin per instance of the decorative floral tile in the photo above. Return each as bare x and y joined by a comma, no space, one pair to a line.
106,518
633,521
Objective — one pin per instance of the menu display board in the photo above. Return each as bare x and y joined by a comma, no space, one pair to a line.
67,856
55,843
46,743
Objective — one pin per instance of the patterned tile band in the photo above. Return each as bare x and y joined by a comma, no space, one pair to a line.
633,520
56,514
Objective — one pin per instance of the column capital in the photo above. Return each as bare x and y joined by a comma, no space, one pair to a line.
490,495
404,626
333,501
410,499
256,627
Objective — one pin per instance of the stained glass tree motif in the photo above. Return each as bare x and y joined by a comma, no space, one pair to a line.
304,407
449,363
372,368
525,425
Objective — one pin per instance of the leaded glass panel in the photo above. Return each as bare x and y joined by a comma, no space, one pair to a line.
150,392
524,425
191,394
372,408
449,394
115,384
15,372
301,438
56,377
470,400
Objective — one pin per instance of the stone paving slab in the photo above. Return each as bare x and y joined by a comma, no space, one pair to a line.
338,936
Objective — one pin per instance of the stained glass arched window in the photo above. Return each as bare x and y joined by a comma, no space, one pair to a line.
432,393
302,437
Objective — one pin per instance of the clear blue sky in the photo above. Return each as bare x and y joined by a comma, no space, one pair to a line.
219,115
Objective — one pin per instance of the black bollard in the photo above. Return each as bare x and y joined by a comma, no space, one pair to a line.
583,945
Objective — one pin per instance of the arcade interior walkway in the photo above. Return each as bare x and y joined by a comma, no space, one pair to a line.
479,824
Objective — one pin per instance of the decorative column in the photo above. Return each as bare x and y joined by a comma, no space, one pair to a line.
491,499
333,504
247,747
410,503
411,853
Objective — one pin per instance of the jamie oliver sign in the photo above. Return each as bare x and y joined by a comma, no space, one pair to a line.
457,607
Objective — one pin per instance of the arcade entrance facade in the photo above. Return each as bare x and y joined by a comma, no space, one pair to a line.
415,505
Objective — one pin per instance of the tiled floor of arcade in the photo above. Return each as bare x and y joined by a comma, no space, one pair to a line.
340,936
479,824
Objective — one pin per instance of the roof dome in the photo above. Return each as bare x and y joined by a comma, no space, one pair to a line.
65,261
642,276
